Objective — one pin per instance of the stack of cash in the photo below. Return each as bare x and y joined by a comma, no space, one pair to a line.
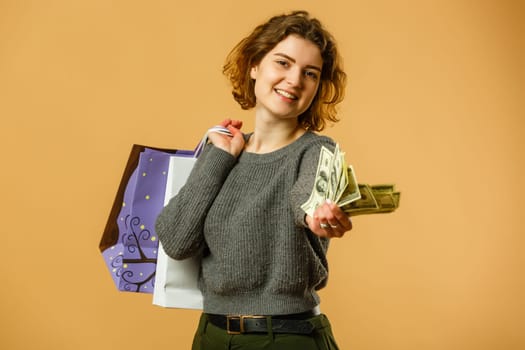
374,199
335,180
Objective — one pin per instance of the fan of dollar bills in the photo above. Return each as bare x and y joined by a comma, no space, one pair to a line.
335,180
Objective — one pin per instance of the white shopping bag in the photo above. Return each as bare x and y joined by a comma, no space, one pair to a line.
176,280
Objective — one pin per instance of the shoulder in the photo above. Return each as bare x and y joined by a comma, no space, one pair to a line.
308,147
312,140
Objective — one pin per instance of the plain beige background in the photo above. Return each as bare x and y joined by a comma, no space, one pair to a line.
434,104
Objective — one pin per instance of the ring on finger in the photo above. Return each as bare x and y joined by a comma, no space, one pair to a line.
333,226
323,225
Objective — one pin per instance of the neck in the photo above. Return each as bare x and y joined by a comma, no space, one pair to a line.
269,136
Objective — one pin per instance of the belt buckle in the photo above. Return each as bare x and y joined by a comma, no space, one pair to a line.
241,319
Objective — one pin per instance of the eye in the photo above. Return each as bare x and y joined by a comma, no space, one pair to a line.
283,63
311,74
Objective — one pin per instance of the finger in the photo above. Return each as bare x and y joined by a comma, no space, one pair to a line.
338,218
219,130
325,214
234,130
331,220
225,122
326,228
218,140
313,224
329,232
320,220
236,123
237,136
324,225
341,224
321,232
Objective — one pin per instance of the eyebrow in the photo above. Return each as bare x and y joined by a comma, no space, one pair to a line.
293,60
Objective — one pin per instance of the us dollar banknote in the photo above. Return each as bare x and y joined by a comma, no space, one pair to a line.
335,180
374,199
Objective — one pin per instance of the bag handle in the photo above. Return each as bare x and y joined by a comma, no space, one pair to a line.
218,129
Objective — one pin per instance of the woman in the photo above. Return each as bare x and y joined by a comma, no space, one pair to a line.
263,258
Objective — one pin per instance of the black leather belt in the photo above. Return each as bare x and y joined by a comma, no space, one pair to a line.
239,324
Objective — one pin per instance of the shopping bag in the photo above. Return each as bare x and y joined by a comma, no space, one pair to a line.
176,283
176,280
129,244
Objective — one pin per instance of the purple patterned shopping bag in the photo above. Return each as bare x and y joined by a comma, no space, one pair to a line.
129,244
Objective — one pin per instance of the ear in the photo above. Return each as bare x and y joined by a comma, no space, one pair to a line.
253,72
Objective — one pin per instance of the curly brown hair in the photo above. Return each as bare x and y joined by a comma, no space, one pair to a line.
250,51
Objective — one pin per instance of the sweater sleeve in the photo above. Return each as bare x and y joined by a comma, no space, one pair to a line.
180,224
300,193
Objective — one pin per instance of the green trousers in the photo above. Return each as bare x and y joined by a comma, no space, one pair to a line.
210,337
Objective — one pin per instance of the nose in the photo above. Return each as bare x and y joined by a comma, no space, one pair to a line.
294,77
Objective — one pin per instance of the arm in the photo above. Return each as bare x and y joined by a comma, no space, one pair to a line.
180,224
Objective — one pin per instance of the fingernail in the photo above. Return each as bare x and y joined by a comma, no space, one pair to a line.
329,201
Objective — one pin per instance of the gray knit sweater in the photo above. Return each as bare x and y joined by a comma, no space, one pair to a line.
243,217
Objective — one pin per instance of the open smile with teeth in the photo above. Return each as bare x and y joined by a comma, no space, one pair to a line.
286,94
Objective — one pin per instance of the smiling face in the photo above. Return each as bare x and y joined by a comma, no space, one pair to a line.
287,78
